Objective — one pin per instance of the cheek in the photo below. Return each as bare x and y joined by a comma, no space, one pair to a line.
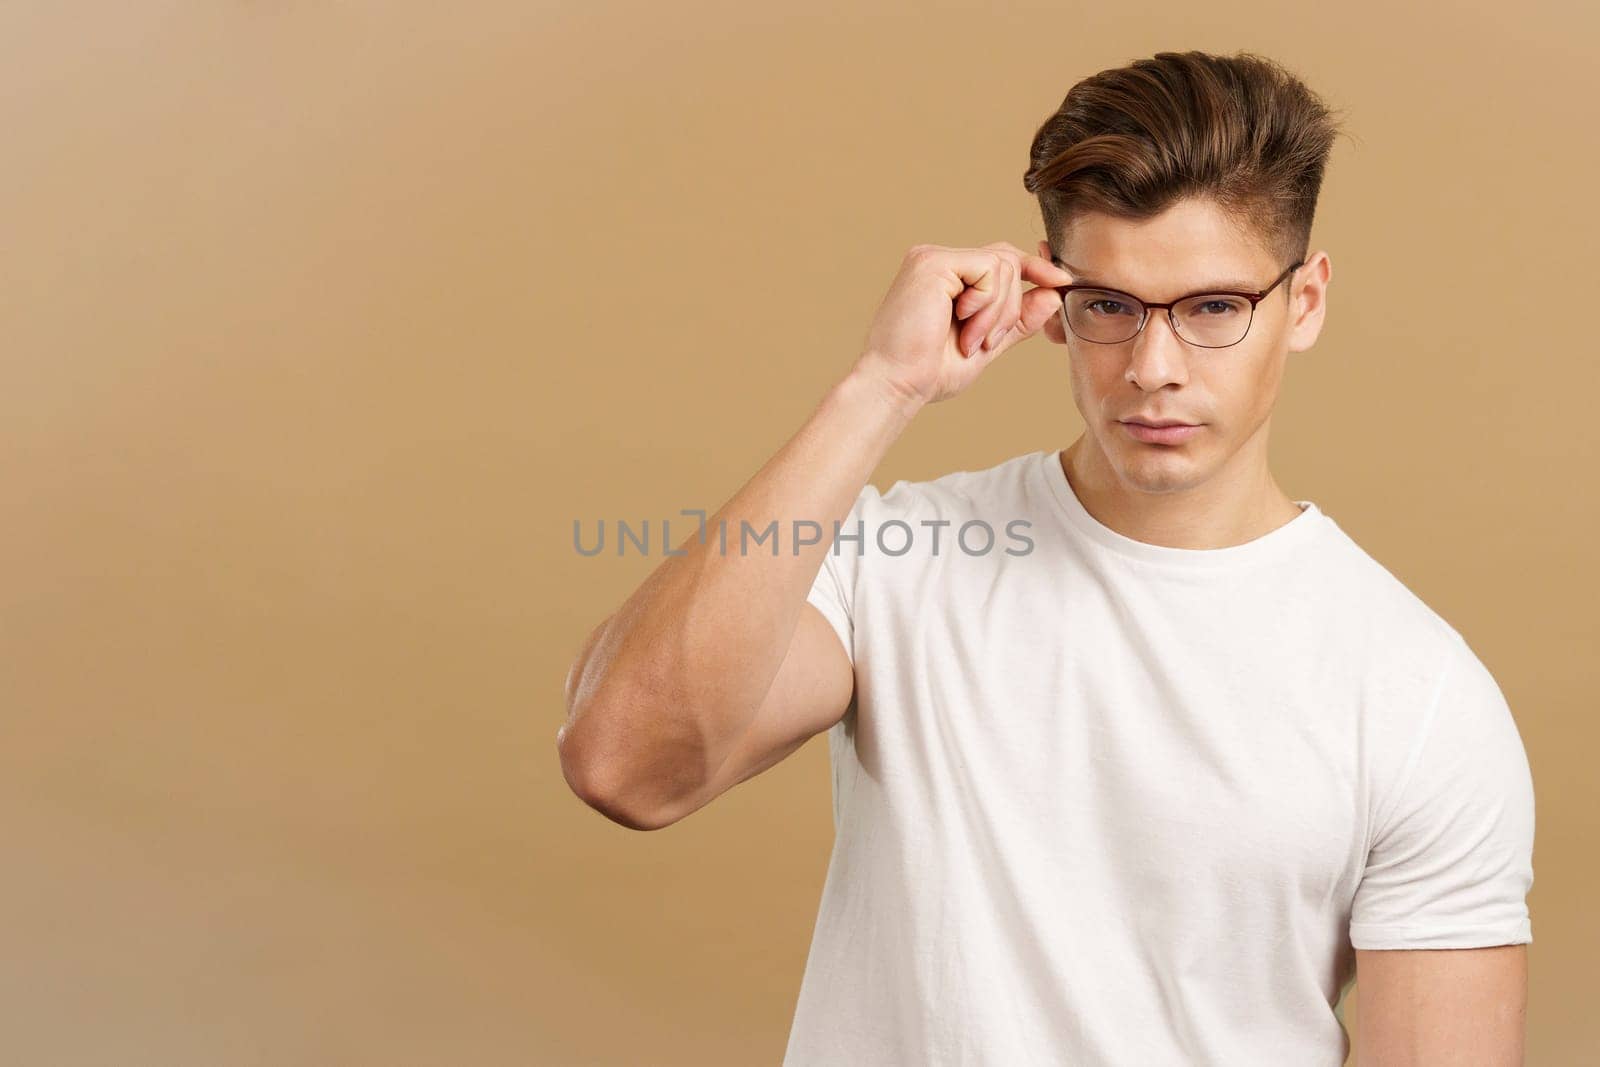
1093,380
1242,399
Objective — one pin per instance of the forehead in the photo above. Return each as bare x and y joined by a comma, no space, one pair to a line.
1192,245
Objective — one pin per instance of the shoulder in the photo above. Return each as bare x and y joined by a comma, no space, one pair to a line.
1426,692
1370,599
920,522
977,492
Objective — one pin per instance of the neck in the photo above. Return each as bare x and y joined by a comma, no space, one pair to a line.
1238,503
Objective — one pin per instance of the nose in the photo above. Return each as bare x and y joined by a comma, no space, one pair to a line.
1159,355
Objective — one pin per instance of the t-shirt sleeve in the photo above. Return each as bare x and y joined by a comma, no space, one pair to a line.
1451,863
833,590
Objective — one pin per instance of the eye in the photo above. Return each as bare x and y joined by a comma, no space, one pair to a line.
1105,306
1218,306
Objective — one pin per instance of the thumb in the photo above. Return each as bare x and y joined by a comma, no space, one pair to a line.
1038,306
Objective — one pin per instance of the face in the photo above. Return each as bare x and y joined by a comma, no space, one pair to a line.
1228,392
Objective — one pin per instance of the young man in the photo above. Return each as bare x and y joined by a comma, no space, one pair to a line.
1136,759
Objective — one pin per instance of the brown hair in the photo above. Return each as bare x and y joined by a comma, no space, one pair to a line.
1238,129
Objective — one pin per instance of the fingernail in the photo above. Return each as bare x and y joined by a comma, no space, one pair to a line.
994,336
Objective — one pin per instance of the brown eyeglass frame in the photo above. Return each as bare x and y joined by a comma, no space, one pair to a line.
1254,298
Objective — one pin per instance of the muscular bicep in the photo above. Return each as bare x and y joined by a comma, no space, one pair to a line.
811,692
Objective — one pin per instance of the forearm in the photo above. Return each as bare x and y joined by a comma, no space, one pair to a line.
671,680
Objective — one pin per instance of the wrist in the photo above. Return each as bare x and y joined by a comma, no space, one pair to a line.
863,380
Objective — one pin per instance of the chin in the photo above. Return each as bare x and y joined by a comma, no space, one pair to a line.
1158,468
1167,480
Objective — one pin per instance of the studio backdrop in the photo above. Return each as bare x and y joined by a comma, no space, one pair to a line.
323,324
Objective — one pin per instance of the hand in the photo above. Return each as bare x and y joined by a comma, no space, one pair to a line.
927,339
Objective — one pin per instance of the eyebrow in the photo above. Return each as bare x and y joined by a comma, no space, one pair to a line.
1210,287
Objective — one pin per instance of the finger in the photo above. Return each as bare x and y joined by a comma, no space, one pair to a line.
1007,311
1036,269
991,320
1039,306
1040,271
975,272
1014,298
979,270
1035,308
1009,249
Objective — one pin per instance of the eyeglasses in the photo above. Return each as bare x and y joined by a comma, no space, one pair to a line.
1207,320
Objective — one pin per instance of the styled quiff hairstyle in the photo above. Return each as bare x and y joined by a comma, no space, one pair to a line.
1240,130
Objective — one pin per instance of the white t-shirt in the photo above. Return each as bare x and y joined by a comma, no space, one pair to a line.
1104,802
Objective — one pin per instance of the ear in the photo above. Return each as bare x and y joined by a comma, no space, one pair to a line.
1311,301
1052,326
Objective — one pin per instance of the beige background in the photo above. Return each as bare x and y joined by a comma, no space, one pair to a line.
322,322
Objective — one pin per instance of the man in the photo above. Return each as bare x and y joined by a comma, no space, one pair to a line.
1136,760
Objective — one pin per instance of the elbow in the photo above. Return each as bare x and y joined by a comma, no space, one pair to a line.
614,753
589,774
594,782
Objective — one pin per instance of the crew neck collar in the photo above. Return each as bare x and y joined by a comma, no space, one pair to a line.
1274,543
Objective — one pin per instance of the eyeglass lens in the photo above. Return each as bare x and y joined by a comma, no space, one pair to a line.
1209,320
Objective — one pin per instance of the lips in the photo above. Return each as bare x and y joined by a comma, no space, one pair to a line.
1169,433
1158,423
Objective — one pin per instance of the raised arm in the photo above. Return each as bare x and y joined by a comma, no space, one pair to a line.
666,686
716,667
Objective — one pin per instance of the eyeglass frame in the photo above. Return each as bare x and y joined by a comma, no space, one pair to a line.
1254,298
